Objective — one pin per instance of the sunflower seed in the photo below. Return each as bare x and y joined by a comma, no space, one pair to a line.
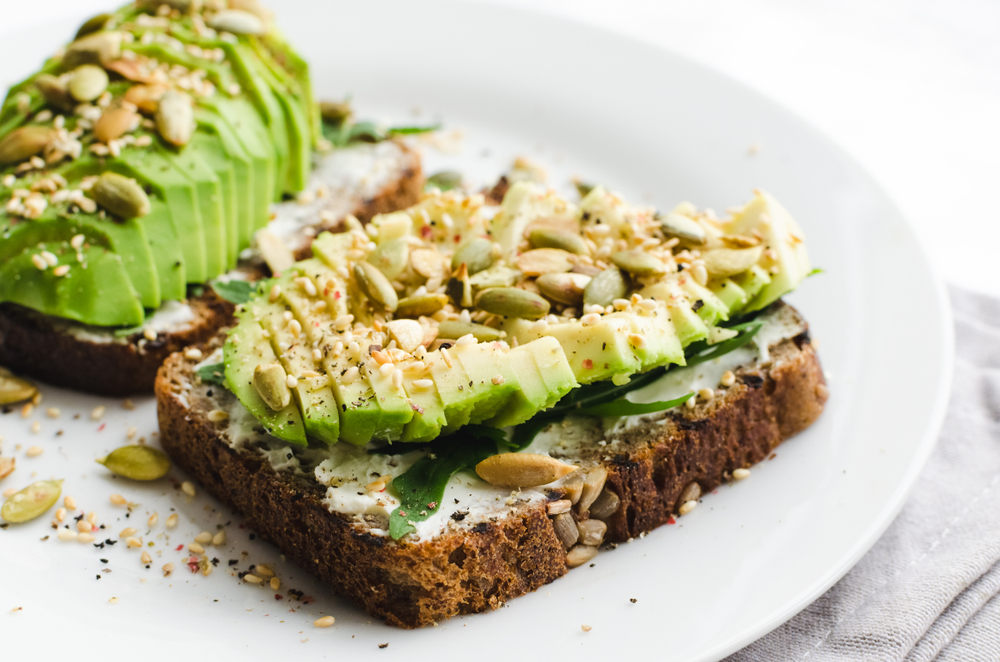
522,469
114,123
455,329
429,263
24,142
32,501
592,532
566,529
513,302
14,389
137,462
120,195
477,255
391,257
271,384
376,286
551,238
236,21
725,262
580,554
593,483
563,288
96,48
605,287
605,505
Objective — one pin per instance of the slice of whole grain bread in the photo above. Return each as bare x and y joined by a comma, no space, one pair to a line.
97,361
477,565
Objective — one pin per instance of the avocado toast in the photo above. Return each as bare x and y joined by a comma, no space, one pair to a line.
453,405
141,163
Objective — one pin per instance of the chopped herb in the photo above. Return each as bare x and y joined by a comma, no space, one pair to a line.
234,291
214,373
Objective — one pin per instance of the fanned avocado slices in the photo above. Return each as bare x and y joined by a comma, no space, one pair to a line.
209,127
422,324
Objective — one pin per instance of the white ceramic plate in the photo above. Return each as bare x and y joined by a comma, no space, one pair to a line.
659,129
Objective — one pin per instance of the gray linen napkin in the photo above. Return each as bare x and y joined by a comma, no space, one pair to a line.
930,587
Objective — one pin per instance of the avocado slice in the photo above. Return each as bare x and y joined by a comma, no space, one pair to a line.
242,189
99,294
543,376
456,390
752,281
395,408
211,150
483,363
245,349
428,410
731,294
711,309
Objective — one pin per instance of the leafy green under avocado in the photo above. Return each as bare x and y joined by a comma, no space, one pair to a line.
348,132
421,488
234,291
213,373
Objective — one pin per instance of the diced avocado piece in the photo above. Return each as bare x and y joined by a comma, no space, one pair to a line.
99,294
243,196
453,387
752,281
152,168
689,325
245,349
209,146
332,250
208,197
428,410
313,394
711,309
659,345
783,236
731,294
128,239
543,376
392,400
483,363
524,203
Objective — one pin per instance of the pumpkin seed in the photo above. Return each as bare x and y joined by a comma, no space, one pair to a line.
513,302
96,48
428,263
14,389
639,263
120,195
87,82
275,252
175,117
522,469
682,227
54,92
183,6
544,261
408,334
455,329
24,142
426,304
92,25
271,383
114,123
145,97
583,188
498,276
237,22
137,462
477,255
391,257
550,238
335,112
725,262
32,501
459,287
563,288
375,285
605,287
255,7
445,180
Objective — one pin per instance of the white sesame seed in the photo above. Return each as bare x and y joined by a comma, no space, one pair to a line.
167,569
60,514
318,354
706,394
467,339
252,579
70,503
172,521
325,621
217,416
307,285
728,378
118,500
34,451
648,305
397,378
497,380
10,491
219,538
39,262
291,381
97,413
637,340
128,532
203,538
446,356
590,320
133,542
84,526
149,333
275,583
690,403
146,558
275,293
67,534
49,258
423,383
92,517
131,432
195,548
700,274
386,369
187,487
740,474
61,270
153,519
350,375
36,427
687,507
193,354
295,328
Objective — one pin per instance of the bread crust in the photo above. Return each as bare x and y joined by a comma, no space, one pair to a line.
38,346
468,571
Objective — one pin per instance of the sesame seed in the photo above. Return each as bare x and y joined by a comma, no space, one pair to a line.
133,542
351,374
10,491
172,521
203,538
728,378
586,628
149,334
590,319
39,262
84,526
497,380
325,621
52,412
36,427
637,340
49,258
700,274
196,548
446,356
275,583
167,569
77,241
264,570
192,354
690,403
27,409
153,519
146,558
86,537
92,518
467,339
219,538
386,369
128,532
60,514
131,432
397,378
740,474
291,381
97,413
706,394
275,293
307,285
70,503
217,416
423,383
318,355
187,487
253,579
118,500
647,304
295,328
687,507
287,315
67,534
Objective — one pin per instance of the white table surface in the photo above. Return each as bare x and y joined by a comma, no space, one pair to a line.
911,88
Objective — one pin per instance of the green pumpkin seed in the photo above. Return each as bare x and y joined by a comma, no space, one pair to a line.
87,82
335,112
120,195
96,48
513,302
476,254
54,92
639,263
605,287
459,287
137,462
445,180
92,25
426,304
376,286
725,262
32,501
14,389
391,257
24,142
183,6
271,383
175,117
498,276
551,238
563,288
583,188
237,22
682,227
455,329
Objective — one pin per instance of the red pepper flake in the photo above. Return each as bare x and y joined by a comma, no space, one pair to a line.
458,238
306,600
432,505
277,596
588,364
179,547
417,408
425,232
337,294
402,514
101,427
671,520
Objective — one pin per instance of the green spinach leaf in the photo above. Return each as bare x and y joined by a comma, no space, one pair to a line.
234,291
213,373
625,408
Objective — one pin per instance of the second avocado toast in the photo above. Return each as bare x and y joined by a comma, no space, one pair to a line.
139,164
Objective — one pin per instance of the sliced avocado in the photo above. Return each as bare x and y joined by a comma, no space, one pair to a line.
731,294
483,363
242,192
660,345
96,290
245,349
752,281
453,387
129,240
428,410
298,69
210,148
711,309
543,375
689,325
395,408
